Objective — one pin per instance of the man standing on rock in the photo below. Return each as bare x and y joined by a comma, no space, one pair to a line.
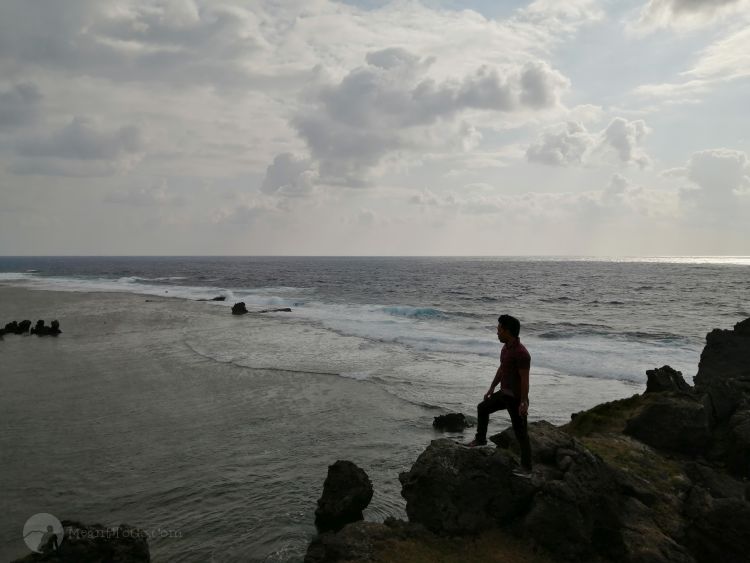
513,377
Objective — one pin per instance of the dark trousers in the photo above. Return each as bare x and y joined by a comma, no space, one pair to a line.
498,401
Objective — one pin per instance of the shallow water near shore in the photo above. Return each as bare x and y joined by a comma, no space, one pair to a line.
214,432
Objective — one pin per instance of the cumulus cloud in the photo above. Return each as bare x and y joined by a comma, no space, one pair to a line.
571,144
625,137
720,185
562,147
289,175
19,105
391,104
156,195
719,170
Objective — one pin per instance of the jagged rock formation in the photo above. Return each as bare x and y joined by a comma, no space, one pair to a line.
657,477
347,491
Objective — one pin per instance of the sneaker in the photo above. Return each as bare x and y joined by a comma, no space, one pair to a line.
475,443
522,472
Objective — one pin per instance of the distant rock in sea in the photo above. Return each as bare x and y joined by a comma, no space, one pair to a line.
239,308
24,327
452,422
40,329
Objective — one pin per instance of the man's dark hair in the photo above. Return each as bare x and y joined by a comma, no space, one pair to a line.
511,324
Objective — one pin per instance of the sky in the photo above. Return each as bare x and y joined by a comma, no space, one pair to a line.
372,127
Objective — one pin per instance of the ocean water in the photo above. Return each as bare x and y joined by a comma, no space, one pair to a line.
372,350
586,317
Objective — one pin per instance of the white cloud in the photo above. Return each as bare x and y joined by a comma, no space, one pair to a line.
625,137
571,144
719,170
685,14
392,104
562,147
719,190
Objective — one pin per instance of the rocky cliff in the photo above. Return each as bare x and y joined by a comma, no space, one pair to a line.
658,477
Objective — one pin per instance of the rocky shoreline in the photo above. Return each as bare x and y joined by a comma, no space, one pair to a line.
658,477
661,476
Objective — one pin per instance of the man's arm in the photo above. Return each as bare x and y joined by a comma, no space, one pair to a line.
523,408
494,384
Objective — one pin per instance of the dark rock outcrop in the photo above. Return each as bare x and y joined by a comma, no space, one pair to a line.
679,423
347,491
665,379
452,422
40,329
724,370
457,490
279,310
96,543
218,298
239,308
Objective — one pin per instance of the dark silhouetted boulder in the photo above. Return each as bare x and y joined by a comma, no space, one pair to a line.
24,326
673,422
239,308
11,327
665,379
453,489
724,369
452,422
55,328
347,491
